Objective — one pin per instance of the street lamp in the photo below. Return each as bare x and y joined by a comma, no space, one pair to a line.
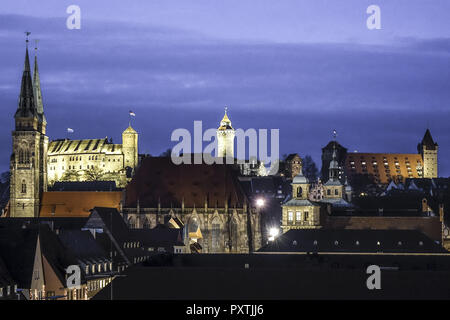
273,233
260,202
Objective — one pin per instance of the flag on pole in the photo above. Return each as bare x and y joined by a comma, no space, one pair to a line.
70,130
132,114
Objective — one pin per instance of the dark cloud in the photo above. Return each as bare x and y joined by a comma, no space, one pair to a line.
379,98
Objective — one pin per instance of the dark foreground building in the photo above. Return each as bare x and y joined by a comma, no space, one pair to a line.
284,277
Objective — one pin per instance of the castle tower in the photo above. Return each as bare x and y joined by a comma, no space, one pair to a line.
429,151
29,157
225,137
130,147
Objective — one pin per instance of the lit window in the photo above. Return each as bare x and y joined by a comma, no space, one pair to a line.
290,216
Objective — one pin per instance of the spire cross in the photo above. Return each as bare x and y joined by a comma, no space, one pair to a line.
334,134
226,109
36,41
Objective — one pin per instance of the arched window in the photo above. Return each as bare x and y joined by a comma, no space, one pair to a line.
299,192
336,192
24,186
24,156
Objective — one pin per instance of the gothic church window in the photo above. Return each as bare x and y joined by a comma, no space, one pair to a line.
24,187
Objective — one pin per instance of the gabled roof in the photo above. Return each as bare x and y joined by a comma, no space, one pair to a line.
109,219
18,249
83,245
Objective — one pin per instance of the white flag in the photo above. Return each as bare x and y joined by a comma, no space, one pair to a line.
132,114
69,130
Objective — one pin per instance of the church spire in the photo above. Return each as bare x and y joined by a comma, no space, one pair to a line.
26,107
334,165
37,88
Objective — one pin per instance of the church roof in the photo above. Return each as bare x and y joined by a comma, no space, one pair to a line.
67,146
159,179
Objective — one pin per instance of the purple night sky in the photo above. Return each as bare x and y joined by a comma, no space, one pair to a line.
305,67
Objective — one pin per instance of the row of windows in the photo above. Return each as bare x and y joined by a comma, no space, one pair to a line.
99,267
298,216
131,245
8,290
336,243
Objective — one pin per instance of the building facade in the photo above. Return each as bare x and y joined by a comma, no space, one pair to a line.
383,168
207,200
93,159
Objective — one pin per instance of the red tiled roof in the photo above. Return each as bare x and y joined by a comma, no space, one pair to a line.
76,203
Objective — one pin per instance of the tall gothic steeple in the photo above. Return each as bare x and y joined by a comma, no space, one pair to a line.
27,105
37,91
28,163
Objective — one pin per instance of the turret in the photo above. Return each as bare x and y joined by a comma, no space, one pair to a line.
429,151
300,186
225,137
130,147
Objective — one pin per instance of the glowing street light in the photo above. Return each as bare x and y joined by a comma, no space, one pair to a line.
273,233
260,202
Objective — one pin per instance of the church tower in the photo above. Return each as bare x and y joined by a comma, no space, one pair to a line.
429,151
130,147
225,138
333,188
29,155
